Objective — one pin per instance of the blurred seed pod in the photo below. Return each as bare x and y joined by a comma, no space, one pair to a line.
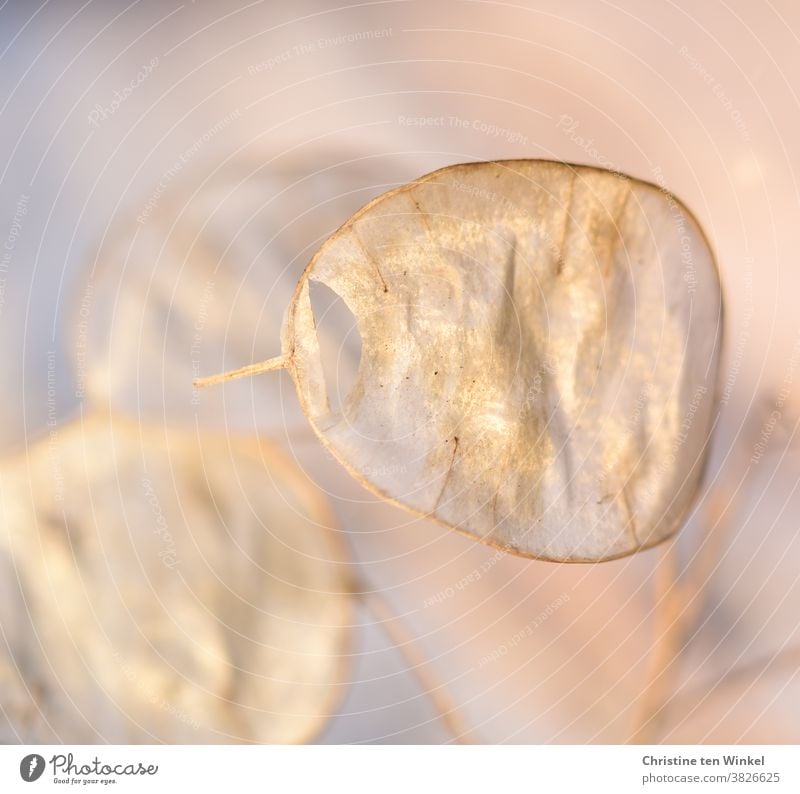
164,586
199,281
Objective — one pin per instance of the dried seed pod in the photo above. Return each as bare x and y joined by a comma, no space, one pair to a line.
164,587
540,346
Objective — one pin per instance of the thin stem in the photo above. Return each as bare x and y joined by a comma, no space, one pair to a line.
270,365
667,644
677,608
404,641
721,507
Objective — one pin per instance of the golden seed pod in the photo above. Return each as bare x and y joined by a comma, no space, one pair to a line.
540,345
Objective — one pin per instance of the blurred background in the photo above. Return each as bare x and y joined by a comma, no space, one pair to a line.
168,169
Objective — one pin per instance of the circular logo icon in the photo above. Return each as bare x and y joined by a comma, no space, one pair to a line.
31,767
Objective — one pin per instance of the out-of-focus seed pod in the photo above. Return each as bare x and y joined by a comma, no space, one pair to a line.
164,586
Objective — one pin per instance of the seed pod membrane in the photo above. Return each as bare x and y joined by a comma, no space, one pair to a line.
540,345
161,587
